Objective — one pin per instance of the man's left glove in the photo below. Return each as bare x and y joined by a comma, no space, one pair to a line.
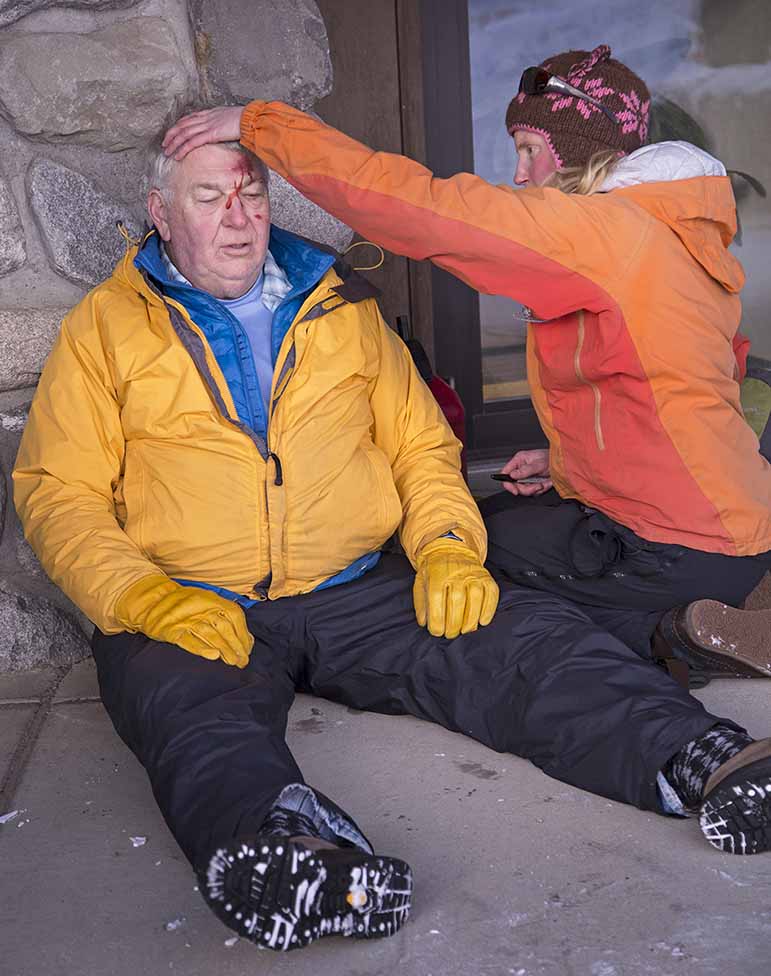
453,592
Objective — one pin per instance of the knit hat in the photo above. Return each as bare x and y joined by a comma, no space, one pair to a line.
574,128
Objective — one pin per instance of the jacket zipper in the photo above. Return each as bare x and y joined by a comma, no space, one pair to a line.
262,586
594,388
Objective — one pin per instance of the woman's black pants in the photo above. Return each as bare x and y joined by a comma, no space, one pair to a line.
624,583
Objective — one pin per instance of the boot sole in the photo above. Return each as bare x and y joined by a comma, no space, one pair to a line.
725,640
736,816
273,892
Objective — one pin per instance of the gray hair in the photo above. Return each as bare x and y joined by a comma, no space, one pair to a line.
160,168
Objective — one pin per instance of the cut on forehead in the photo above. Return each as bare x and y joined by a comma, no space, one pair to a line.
220,165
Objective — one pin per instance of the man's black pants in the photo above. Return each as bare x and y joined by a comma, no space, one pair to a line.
624,583
542,681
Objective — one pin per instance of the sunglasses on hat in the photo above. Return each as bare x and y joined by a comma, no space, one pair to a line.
538,81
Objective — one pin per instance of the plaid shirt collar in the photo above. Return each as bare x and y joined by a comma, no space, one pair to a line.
275,284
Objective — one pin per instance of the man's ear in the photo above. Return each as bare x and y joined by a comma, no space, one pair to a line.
156,207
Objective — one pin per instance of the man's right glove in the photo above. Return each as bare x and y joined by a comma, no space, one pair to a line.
197,620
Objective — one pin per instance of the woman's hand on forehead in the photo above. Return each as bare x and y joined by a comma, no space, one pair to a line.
201,128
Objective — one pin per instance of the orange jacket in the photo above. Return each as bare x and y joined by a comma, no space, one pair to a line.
633,372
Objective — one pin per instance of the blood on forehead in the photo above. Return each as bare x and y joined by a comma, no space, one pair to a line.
241,170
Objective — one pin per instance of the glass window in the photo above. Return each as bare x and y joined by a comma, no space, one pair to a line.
709,58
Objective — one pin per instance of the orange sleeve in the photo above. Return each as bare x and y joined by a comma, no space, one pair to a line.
550,250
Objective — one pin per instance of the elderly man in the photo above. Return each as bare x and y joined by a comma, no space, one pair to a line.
224,437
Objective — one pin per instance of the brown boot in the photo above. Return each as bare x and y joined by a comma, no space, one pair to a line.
717,640
735,814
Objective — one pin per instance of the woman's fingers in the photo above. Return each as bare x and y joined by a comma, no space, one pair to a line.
513,465
201,128
526,463
531,489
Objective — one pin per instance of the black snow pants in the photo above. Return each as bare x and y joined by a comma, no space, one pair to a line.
542,681
624,583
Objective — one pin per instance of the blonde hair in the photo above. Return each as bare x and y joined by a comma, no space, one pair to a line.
586,179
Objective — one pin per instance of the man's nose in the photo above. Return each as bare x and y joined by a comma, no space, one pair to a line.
521,174
235,214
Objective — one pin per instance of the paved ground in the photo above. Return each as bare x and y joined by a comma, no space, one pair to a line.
516,874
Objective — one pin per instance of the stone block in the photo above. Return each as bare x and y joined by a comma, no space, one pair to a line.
42,584
110,88
34,633
292,211
12,10
265,50
26,337
12,251
77,222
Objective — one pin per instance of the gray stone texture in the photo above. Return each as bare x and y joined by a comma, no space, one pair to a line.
110,88
37,579
12,10
13,419
77,221
3,498
264,49
12,251
34,633
16,553
26,337
292,211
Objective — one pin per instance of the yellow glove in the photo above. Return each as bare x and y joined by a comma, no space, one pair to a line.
197,620
453,590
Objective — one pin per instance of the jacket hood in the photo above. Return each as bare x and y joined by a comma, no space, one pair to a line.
688,190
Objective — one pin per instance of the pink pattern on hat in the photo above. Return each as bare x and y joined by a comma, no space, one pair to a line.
634,118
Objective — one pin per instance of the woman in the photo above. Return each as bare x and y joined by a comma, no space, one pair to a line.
619,252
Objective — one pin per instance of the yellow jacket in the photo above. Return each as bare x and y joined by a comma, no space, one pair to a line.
134,460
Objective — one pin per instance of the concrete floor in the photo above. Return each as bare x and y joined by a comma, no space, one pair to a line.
516,874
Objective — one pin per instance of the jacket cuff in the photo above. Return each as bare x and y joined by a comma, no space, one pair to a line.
249,117
456,534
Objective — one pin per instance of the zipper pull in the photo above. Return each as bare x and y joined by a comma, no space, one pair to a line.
279,479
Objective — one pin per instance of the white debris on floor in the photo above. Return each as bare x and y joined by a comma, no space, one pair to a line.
138,841
175,923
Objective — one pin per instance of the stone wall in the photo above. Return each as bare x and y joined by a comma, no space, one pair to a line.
84,84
